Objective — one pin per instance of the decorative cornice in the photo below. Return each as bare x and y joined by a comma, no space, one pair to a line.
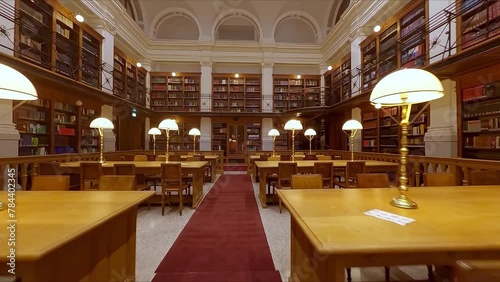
206,63
103,23
267,64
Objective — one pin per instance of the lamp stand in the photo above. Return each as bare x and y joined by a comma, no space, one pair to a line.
351,138
194,144
310,143
168,140
154,144
274,139
293,145
101,134
402,201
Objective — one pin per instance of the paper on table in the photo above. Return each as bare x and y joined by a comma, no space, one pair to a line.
398,219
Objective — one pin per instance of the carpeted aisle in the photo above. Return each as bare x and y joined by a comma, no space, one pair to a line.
223,241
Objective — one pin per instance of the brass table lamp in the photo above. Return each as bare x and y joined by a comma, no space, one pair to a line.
353,126
168,125
273,133
153,132
101,124
293,125
194,132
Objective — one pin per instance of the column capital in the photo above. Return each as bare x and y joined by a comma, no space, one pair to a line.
147,64
267,64
106,24
357,32
206,63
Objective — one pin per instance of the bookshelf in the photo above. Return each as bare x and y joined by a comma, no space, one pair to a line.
478,21
254,137
413,38
219,136
47,36
480,106
346,77
89,137
369,65
236,95
129,81
65,126
32,120
338,81
370,132
290,92
388,57
179,93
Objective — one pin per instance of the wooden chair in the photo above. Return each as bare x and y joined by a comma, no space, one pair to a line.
310,157
285,172
372,180
326,170
337,157
89,175
129,158
50,183
307,181
353,168
117,183
299,157
161,158
175,158
129,169
485,177
285,158
274,158
114,158
140,158
324,158
49,168
171,181
439,179
193,158
477,271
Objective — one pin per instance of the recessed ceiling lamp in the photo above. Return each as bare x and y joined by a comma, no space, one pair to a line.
378,106
298,76
330,67
236,75
377,28
79,18
174,74
138,65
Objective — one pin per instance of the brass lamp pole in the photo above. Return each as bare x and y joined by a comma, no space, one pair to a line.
101,124
352,125
273,133
167,125
153,132
194,132
309,134
293,125
404,88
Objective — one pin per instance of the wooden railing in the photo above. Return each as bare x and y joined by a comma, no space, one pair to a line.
27,166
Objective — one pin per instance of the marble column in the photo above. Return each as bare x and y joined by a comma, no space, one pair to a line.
356,114
357,36
206,134
7,38
441,138
109,135
108,31
148,66
267,87
206,87
323,68
147,137
267,141
9,136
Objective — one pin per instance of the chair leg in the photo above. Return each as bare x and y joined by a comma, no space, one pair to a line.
162,203
348,270
430,272
180,203
387,273
279,204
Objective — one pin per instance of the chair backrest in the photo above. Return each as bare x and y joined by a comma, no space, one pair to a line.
439,179
372,180
299,157
129,158
151,157
161,158
175,158
171,175
477,270
324,158
89,174
325,169
353,168
337,157
112,158
485,177
310,157
49,168
307,181
299,153
263,157
50,183
285,158
140,158
117,183
285,172
274,158
124,169
193,158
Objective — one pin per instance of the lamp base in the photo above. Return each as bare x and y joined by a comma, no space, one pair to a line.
403,202
101,162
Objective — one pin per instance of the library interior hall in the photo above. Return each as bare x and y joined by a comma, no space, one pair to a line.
249,140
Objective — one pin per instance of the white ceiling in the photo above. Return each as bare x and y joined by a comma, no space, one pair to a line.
304,17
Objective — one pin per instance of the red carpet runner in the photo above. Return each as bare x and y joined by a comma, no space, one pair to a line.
223,241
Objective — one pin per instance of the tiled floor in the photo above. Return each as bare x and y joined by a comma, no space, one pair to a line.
157,233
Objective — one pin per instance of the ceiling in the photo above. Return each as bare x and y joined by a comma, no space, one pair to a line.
291,21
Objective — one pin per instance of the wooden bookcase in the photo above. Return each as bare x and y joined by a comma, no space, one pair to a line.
338,81
401,43
48,36
33,121
128,80
370,132
478,21
179,93
89,137
237,137
236,95
65,128
254,136
291,92
346,77
219,136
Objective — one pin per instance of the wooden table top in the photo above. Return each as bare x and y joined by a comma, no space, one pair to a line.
207,157
336,163
457,218
47,220
141,164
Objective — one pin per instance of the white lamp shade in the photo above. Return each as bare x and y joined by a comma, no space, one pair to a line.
102,123
310,132
293,124
273,132
195,132
352,125
168,124
154,131
15,86
416,85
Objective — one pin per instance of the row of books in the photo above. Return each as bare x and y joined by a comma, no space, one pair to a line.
29,140
417,130
32,128
482,142
64,20
490,124
64,107
30,11
58,118
30,114
62,130
411,27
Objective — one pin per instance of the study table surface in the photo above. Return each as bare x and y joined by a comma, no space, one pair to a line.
263,168
72,235
213,159
196,168
452,223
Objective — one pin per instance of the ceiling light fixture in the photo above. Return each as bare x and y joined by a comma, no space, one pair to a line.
174,74
236,75
79,18
330,67
377,28
298,76
138,65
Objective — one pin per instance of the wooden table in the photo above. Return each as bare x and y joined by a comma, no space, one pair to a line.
263,168
329,231
196,168
213,159
73,235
